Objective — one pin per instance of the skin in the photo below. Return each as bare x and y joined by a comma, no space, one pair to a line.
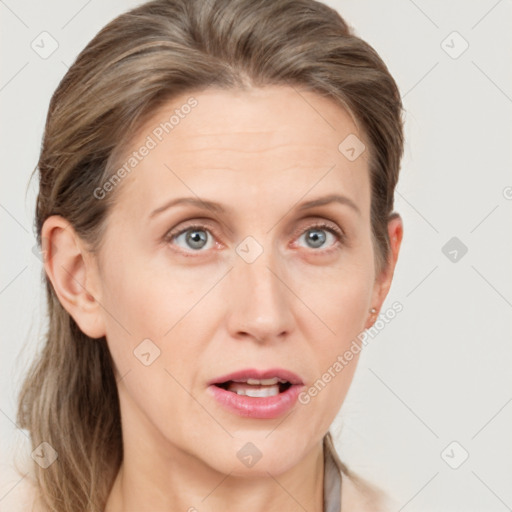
298,306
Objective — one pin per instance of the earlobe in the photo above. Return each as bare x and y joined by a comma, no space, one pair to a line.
66,265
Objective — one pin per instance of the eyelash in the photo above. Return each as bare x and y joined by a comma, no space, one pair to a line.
340,237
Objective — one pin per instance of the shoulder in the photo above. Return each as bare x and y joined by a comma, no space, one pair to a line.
360,495
17,493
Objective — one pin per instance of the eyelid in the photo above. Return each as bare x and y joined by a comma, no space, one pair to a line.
195,223
320,223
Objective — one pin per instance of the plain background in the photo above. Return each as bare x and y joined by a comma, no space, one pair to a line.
434,386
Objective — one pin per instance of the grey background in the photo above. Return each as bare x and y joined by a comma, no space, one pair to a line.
440,371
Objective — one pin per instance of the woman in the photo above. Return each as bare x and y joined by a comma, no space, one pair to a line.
215,210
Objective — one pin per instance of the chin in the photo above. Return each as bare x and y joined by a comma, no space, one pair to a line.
256,454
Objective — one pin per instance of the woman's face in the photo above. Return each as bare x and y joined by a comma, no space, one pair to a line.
260,281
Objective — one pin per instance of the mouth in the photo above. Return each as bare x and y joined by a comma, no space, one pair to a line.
256,388
257,394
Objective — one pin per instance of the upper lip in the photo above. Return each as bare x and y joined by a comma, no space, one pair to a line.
252,373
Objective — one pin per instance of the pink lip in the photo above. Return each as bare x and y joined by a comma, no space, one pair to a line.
251,373
258,408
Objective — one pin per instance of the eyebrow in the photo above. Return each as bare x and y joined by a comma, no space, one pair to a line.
218,208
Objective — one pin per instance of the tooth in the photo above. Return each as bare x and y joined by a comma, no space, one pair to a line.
245,389
263,382
270,382
262,392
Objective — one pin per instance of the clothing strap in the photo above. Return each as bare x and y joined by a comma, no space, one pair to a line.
332,483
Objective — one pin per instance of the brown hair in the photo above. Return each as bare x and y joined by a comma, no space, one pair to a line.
135,64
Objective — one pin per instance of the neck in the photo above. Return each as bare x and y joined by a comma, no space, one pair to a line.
185,483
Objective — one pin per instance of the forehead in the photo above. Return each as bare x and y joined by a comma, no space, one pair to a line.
248,118
253,140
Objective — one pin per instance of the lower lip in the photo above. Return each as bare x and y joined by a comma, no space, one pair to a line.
260,408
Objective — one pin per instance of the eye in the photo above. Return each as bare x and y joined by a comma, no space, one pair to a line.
193,237
317,235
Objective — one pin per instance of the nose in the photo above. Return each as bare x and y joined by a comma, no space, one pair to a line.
260,300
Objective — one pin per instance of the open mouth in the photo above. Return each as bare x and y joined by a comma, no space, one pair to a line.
257,394
256,388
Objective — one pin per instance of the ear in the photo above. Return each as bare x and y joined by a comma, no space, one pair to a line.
384,278
73,274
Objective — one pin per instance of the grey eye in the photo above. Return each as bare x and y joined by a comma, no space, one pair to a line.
195,238
316,237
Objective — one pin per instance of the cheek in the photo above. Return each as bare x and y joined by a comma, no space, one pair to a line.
338,296
150,320
341,300
343,307
137,296
131,305
147,299
345,315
